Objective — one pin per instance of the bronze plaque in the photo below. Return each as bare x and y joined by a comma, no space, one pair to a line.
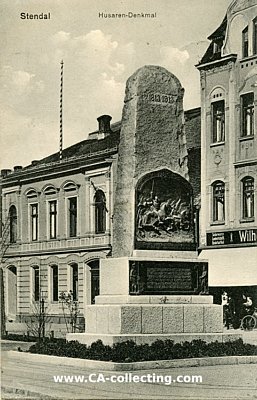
162,277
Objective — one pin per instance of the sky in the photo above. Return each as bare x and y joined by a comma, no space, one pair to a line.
99,56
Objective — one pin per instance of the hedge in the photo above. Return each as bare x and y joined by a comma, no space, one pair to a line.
129,351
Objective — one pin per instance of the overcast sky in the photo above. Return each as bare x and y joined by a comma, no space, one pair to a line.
99,55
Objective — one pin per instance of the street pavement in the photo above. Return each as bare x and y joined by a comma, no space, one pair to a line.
32,380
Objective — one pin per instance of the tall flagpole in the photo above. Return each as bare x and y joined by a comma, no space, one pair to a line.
61,135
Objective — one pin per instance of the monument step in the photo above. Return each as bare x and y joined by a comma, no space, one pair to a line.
168,255
154,299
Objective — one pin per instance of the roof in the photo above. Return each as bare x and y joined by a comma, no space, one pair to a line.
94,150
220,31
213,52
87,147
90,146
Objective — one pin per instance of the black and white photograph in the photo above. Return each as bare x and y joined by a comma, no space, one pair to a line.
128,207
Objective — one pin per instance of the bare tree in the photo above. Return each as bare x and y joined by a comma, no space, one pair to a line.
39,319
4,245
71,305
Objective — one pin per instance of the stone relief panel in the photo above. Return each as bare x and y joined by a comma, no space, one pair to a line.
164,214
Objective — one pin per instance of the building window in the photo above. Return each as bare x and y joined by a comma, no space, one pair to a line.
218,121
74,280
54,282
36,283
72,216
53,219
13,224
248,197
255,36
34,221
218,202
245,42
100,212
247,104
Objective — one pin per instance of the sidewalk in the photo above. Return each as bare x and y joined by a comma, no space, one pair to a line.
30,380
248,336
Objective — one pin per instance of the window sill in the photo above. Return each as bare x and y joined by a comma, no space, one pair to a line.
217,144
243,138
245,220
215,223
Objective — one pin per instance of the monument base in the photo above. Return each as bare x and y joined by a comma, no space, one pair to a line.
125,311
180,321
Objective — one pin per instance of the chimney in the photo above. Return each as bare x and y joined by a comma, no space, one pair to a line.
5,172
17,168
104,126
34,162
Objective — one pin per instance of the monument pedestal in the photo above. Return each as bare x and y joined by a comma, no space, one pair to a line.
120,315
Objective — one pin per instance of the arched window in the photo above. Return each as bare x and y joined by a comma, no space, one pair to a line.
94,269
73,280
54,283
100,211
13,224
35,283
248,197
218,201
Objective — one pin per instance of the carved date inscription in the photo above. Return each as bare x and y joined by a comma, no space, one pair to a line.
160,98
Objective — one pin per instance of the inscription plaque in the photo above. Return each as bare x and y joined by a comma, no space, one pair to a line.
159,277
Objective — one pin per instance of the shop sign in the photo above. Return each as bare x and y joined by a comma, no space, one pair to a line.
232,237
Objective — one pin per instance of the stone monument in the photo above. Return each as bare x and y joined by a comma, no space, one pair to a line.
153,286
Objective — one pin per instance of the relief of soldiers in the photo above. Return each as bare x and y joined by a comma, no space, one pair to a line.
169,216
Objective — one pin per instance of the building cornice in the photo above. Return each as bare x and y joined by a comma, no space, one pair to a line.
222,61
55,251
60,168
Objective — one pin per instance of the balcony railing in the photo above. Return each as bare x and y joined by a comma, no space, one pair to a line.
60,244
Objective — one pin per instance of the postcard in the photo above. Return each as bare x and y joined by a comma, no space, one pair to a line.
128,199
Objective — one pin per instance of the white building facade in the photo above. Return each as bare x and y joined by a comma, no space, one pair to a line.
228,220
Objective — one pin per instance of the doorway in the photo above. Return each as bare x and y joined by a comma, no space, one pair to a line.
95,288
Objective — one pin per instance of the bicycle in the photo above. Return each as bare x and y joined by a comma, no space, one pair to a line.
249,321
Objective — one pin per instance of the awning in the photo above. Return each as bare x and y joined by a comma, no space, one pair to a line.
231,266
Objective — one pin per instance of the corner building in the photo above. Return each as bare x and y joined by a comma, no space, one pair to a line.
228,229
57,224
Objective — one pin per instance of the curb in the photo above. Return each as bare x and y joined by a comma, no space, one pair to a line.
133,366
